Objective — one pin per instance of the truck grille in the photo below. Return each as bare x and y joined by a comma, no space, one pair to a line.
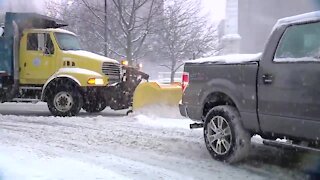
113,71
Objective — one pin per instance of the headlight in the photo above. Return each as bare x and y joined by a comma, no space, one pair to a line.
125,63
96,81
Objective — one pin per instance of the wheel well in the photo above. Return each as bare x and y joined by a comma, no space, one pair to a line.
59,82
216,99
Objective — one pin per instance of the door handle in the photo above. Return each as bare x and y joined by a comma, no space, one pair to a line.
25,64
267,79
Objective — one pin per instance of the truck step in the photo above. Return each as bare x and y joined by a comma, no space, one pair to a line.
289,146
34,101
30,88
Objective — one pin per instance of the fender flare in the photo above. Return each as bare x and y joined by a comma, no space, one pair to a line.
220,86
54,77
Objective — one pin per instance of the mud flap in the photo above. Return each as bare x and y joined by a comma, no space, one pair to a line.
120,96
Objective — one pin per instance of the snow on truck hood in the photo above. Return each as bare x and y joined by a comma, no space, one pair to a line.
228,59
90,55
78,71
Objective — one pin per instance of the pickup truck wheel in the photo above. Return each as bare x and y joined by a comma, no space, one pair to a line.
224,135
94,107
65,102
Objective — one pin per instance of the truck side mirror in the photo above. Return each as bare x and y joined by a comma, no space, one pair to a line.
46,51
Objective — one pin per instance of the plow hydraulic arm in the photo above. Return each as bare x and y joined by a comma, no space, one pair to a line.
121,95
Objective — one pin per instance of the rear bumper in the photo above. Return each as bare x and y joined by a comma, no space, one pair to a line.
192,112
183,110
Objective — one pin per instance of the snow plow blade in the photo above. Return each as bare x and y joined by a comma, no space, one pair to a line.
151,94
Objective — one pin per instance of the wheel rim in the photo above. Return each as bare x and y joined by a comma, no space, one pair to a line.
63,101
219,135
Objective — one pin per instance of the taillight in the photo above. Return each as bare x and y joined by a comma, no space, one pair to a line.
185,80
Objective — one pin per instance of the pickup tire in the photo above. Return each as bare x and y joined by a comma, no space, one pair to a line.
224,135
95,106
65,101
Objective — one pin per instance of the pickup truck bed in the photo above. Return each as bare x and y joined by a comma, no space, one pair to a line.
209,75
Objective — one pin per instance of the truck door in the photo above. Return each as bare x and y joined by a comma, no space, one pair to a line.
289,83
37,60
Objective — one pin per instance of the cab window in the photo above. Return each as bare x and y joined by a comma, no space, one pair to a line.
49,45
299,43
40,42
33,42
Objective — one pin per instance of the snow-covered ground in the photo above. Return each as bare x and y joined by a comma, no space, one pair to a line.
110,145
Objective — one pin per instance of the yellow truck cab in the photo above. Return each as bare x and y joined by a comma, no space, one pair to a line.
45,63
55,52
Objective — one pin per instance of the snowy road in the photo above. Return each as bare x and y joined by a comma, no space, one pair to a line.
110,145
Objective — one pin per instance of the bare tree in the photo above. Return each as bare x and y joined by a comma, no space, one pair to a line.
81,21
129,23
172,32
135,19
184,33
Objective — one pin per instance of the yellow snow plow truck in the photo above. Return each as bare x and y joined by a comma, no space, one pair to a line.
41,62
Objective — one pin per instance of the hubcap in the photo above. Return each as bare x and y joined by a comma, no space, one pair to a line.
219,135
63,101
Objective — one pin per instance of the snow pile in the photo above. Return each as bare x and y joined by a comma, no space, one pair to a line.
257,139
163,122
233,58
162,111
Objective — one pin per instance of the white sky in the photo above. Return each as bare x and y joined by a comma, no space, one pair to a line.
215,8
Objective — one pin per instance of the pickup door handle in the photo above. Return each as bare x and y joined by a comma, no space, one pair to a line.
267,79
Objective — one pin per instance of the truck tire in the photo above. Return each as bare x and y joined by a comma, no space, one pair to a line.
224,135
94,107
65,101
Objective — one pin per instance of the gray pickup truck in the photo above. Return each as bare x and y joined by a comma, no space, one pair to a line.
275,94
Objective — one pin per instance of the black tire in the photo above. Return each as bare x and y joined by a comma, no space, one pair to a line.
238,138
70,92
95,107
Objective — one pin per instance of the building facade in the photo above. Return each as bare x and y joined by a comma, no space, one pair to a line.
256,19
248,23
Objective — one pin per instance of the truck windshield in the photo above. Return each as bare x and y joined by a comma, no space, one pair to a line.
67,41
